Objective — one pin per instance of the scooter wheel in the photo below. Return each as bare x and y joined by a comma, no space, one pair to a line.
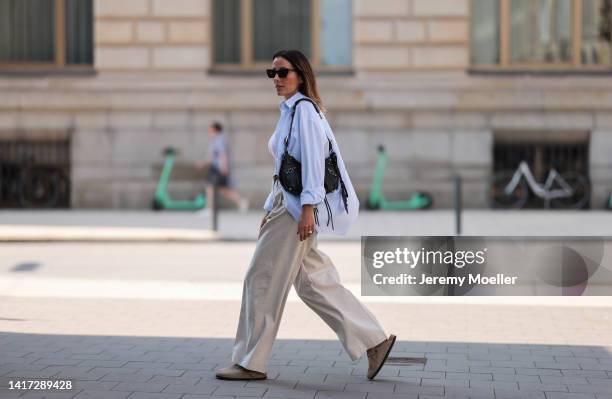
372,206
156,205
428,196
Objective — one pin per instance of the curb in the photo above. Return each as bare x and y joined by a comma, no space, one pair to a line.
37,233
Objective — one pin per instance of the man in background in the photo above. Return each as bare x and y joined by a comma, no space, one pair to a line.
219,167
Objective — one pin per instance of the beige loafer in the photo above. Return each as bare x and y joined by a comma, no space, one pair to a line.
377,356
237,372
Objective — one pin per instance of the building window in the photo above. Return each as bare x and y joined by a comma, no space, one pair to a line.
46,33
246,33
540,34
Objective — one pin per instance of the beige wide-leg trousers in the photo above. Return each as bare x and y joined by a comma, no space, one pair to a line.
281,260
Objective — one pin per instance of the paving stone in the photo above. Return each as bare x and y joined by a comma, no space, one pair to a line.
476,391
128,377
239,391
95,385
150,395
585,373
563,395
139,386
340,395
376,387
163,379
503,394
470,376
420,390
591,388
297,393
519,378
444,382
532,386
200,389
538,372
379,395
49,395
422,374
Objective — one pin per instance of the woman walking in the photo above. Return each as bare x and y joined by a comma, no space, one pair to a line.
311,194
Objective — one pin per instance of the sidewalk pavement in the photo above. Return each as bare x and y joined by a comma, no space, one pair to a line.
137,367
109,225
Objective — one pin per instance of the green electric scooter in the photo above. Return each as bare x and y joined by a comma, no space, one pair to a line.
376,200
162,199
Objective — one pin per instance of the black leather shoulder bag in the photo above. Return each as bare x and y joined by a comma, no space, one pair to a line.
290,174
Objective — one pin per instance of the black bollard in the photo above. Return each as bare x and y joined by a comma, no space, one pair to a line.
215,207
457,181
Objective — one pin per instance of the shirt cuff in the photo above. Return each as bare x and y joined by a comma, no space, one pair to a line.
311,197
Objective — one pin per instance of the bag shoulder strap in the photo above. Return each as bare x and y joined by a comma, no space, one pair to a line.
293,116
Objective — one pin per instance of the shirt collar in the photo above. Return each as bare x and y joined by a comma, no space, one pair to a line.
288,103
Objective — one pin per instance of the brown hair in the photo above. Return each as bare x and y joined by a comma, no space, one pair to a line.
217,126
300,63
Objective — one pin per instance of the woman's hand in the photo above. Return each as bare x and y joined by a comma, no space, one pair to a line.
306,225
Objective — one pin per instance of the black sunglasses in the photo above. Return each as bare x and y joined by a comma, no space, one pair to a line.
282,72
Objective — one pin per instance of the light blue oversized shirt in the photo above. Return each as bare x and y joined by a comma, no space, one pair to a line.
309,145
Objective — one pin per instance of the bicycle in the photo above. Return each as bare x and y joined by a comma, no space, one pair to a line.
31,185
510,189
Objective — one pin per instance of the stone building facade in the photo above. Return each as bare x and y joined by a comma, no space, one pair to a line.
411,85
